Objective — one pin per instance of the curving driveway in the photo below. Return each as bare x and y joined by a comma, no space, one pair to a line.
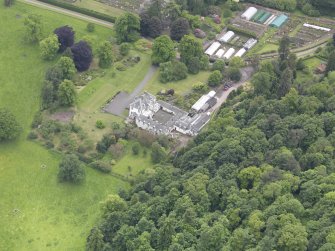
68,12
222,95
121,101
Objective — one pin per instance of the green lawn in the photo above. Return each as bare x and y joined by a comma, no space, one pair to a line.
313,62
181,87
136,163
36,212
269,47
100,90
264,44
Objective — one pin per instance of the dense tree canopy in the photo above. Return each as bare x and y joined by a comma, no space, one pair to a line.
259,177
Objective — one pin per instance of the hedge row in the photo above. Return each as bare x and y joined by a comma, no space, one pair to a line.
87,12
242,31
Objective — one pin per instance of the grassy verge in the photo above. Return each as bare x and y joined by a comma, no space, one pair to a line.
38,213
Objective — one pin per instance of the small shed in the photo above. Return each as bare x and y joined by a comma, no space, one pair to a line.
279,21
249,13
213,48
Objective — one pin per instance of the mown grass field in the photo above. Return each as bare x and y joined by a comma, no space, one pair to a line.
130,165
181,87
36,212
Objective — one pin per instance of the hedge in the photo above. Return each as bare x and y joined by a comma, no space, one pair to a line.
101,166
242,31
84,11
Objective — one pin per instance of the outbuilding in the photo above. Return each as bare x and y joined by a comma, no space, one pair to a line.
219,53
279,21
316,27
249,13
200,104
213,48
240,53
226,37
229,53
250,43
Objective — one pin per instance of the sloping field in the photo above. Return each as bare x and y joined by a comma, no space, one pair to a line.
36,212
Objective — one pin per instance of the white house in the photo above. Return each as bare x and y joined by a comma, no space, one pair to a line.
159,117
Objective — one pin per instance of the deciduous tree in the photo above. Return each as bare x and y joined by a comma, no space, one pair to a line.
67,67
33,26
127,28
162,50
71,170
215,78
9,126
189,48
179,28
49,47
105,54
67,93
82,55
65,36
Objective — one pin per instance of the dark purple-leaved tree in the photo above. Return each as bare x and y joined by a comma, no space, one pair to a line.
82,55
65,36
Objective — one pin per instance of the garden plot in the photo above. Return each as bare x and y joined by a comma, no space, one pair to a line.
229,44
256,24
249,26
